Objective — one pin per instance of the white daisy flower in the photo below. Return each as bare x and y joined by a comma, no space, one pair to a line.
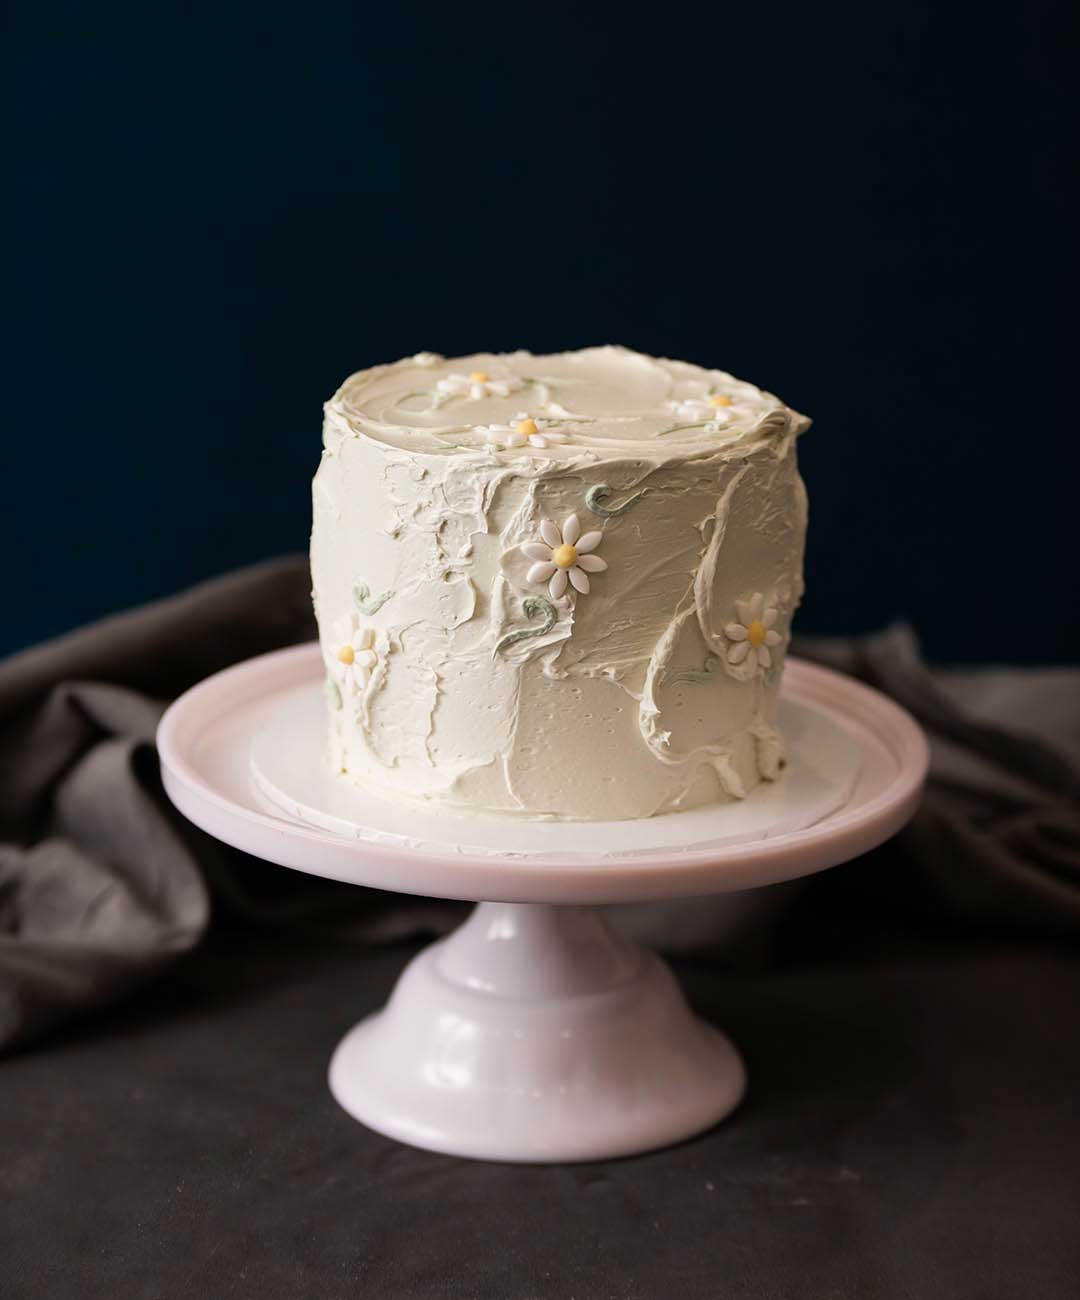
353,654
714,410
564,556
475,386
754,634
523,431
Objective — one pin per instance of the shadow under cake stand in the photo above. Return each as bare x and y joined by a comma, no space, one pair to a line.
534,1032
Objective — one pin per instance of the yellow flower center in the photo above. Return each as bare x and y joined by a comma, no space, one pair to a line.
755,633
564,556
720,399
346,654
527,427
478,376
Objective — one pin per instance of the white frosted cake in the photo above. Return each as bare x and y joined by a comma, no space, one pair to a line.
556,586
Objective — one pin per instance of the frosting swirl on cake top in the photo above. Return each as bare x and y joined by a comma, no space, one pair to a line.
598,404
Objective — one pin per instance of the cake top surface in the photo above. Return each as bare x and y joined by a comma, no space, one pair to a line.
597,403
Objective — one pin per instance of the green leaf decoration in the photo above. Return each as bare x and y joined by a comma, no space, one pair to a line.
334,691
365,602
533,607
708,672
600,492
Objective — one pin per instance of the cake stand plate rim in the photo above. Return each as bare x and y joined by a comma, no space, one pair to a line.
205,736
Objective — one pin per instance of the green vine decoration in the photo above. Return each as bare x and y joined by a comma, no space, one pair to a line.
334,691
534,607
680,428
708,672
600,492
365,602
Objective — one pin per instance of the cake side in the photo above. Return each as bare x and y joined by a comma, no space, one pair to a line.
556,586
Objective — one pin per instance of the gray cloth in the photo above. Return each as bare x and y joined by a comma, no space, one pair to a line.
102,884
996,842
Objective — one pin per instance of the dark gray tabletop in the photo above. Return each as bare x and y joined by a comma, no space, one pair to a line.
911,1130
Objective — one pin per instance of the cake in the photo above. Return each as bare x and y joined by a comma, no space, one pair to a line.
556,586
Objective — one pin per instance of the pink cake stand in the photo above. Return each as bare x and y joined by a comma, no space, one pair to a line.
534,1032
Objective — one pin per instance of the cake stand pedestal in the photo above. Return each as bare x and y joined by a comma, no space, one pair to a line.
534,1032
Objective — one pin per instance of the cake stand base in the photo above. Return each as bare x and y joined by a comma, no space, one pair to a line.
535,1033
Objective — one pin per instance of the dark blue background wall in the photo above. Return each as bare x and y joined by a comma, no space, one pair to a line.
221,210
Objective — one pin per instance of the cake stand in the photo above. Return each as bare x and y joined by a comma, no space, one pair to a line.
534,1032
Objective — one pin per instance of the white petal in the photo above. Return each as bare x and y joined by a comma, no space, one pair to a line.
743,608
589,542
735,632
515,439
571,529
579,579
476,391
738,652
541,572
520,415
550,533
557,585
773,638
537,551
769,617
367,659
366,639
537,439
498,387
757,604
763,657
591,563
555,437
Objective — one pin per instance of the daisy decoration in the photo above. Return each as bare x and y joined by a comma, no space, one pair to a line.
353,654
564,557
523,432
754,636
475,386
714,411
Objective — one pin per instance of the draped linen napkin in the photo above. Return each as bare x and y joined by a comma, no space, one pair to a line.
103,884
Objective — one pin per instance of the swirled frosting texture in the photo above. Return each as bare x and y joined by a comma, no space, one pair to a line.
628,700
606,402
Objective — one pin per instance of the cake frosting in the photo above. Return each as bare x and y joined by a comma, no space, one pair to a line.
556,586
